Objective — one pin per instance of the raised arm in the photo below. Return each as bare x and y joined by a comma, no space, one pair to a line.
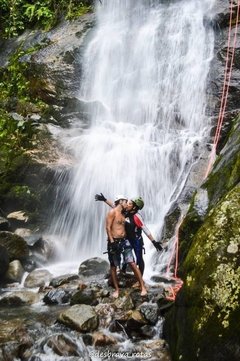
100,197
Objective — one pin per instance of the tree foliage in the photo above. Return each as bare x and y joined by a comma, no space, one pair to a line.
17,15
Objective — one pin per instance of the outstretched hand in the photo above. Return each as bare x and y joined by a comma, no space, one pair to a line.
100,197
157,245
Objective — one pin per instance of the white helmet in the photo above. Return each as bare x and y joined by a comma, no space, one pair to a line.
119,197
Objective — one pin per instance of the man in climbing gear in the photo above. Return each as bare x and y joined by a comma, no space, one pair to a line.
119,245
134,225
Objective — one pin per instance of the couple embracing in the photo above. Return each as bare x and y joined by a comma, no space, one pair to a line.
124,227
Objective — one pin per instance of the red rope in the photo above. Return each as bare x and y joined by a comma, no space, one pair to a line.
173,290
226,83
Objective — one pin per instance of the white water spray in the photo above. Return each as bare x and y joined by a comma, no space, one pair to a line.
145,74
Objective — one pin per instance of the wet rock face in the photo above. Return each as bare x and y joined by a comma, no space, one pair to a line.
53,69
58,63
218,65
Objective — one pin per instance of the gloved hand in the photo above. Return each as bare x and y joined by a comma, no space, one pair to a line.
100,197
157,245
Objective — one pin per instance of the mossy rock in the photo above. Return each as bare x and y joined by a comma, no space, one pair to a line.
207,313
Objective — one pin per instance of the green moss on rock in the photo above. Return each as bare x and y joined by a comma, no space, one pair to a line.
209,300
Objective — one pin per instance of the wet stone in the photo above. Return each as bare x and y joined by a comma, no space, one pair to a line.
61,280
80,317
59,296
93,268
85,296
19,298
62,345
150,312
37,278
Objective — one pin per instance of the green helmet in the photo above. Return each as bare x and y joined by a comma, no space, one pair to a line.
139,202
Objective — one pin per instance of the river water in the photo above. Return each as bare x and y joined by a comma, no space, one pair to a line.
145,75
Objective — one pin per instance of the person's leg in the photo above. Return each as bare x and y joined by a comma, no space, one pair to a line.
113,270
138,250
129,258
114,259
138,275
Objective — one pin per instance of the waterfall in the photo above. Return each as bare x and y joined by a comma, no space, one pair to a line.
145,72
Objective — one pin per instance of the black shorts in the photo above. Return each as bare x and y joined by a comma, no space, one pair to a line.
122,248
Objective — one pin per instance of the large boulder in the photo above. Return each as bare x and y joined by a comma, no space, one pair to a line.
82,318
95,268
16,246
37,278
15,272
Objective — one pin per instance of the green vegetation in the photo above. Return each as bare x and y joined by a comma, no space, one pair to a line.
13,81
16,134
17,15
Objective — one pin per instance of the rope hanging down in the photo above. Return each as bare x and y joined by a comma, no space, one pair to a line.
178,282
226,83
227,76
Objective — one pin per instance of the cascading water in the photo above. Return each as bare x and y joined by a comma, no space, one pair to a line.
144,78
